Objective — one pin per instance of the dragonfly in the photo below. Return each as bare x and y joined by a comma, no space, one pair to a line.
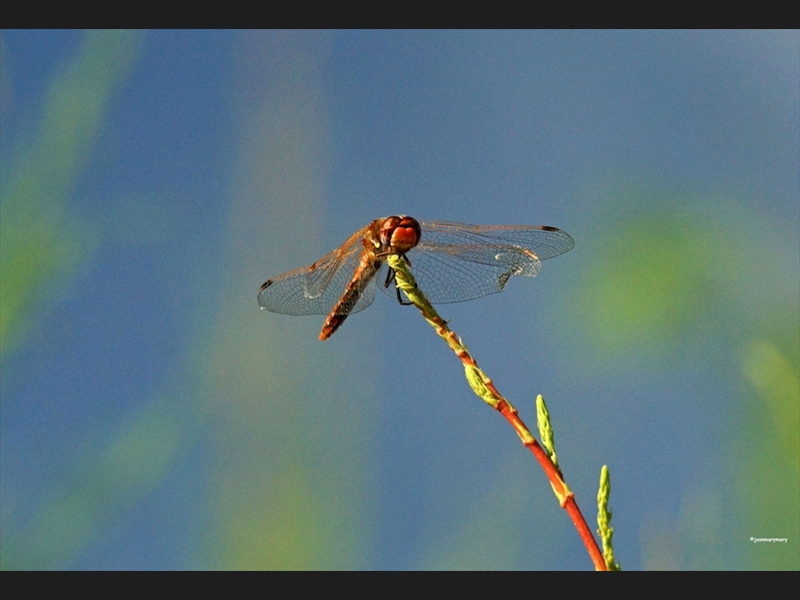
451,262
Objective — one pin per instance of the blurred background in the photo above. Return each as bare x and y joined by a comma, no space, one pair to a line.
153,417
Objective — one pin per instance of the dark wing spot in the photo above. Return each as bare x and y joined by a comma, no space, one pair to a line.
503,280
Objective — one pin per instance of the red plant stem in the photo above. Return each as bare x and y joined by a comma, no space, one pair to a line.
565,495
554,475
405,282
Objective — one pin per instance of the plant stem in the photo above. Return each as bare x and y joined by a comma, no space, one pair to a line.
604,520
484,388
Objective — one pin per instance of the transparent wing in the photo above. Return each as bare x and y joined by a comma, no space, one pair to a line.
456,262
321,273
286,294
315,289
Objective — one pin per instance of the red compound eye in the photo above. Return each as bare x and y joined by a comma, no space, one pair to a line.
401,233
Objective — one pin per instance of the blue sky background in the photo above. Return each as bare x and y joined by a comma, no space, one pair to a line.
153,418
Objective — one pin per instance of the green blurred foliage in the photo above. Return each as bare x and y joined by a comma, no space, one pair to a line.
769,477
651,278
672,285
301,509
102,486
284,522
489,537
290,473
777,383
43,246
41,242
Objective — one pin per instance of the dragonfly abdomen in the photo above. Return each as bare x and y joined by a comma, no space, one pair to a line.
367,268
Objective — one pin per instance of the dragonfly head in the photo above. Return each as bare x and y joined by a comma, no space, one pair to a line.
400,233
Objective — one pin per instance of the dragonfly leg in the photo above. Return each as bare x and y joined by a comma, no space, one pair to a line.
389,279
399,299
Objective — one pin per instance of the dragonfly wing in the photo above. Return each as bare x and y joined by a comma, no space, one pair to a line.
321,273
288,293
546,242
456,262
444,278
366,297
